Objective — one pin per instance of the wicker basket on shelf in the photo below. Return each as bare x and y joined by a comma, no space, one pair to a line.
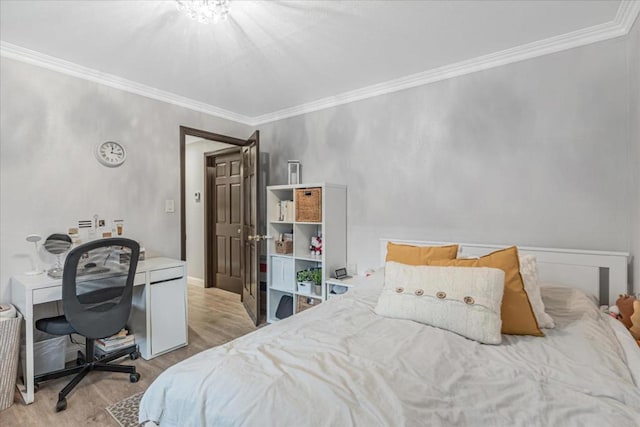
309,205
304,302
284,246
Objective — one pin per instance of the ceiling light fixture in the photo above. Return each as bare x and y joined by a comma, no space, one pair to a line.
205,11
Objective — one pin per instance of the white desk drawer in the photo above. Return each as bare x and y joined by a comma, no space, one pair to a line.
54,293
42,295
140,279
166,274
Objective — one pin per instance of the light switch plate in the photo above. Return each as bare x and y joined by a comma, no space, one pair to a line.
169,206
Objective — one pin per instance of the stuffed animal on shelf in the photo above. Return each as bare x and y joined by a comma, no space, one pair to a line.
629,308
316,246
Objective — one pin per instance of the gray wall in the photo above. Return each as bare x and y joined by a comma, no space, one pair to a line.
49,177
542,152
634,61
533,153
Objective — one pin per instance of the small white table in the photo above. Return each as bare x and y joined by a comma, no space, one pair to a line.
158,314
349,283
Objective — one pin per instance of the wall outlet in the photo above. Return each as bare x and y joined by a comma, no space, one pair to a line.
169,206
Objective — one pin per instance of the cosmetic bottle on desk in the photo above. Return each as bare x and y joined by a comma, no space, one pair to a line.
118,227
74,233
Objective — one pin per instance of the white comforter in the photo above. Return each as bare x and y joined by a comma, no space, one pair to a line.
340,364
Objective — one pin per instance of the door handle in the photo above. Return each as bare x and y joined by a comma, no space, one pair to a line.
239,230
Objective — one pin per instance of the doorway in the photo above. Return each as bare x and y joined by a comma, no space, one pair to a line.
238,180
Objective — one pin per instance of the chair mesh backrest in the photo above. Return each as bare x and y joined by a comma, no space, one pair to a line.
97,286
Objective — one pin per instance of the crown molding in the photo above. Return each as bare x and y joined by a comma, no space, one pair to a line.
627,14
22,54
621,25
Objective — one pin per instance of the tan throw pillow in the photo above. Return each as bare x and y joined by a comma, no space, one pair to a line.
419,255
517,315
461,300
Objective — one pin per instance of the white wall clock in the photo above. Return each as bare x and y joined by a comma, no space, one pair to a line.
111,153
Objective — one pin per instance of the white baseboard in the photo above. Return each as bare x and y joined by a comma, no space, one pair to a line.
195,281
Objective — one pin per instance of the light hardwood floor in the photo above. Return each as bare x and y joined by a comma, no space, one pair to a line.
215,317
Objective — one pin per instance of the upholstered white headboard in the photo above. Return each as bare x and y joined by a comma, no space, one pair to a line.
603,274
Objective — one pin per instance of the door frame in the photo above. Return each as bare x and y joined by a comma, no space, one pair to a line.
211,265
184,131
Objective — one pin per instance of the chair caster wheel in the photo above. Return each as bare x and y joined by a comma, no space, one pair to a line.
134,355
134,377
61,405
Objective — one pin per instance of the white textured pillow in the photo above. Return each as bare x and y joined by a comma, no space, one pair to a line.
529,271
464,300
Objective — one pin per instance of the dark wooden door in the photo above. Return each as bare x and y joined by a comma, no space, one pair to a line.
228,222
250,203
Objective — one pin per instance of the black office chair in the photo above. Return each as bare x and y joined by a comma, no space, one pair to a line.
97,290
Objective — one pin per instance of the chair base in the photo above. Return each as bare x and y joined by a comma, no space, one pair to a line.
85,366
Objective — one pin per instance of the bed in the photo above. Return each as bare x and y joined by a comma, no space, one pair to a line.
342,364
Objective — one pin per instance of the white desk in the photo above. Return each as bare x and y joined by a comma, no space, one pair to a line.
158,315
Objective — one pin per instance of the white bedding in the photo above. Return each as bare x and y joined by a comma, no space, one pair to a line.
340,364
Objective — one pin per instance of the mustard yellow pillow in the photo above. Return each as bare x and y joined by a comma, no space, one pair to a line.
419,255
516,312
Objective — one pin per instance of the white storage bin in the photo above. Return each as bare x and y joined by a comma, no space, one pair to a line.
48,355
282,274
305,287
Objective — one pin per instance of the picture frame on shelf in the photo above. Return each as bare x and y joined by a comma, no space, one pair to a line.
293,172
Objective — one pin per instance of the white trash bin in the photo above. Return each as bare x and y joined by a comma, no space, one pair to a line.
48,354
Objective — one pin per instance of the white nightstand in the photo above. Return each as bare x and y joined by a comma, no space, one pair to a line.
345,284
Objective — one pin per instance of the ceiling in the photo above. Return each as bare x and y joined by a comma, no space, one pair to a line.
277,59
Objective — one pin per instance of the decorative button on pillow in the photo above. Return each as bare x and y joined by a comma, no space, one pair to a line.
464,300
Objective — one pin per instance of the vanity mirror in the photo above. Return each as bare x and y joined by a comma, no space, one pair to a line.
57,244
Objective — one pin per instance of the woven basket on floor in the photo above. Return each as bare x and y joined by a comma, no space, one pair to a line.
9,347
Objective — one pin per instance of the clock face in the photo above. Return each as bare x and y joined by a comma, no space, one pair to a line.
111,153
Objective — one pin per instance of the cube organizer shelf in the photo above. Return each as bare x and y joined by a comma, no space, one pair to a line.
285,205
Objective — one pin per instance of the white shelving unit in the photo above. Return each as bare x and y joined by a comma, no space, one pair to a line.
282,268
